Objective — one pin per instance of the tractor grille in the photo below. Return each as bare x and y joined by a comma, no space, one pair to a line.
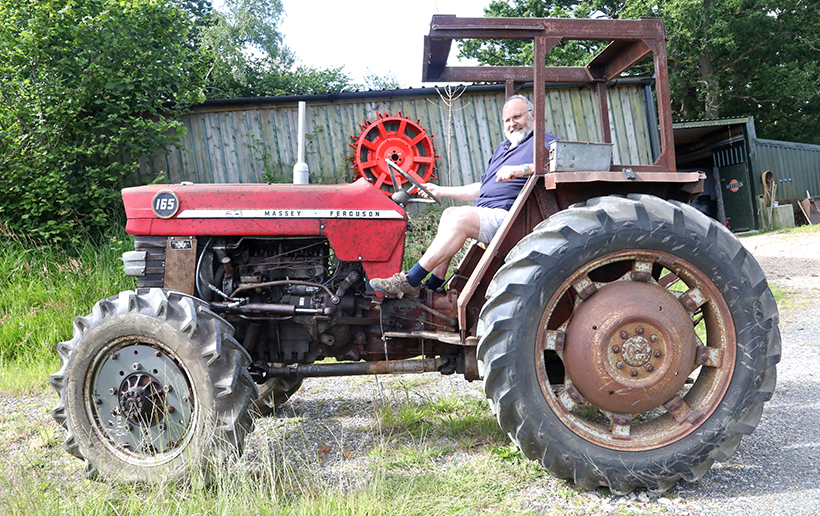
147,261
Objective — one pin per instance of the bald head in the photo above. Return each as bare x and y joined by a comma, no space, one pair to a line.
517,118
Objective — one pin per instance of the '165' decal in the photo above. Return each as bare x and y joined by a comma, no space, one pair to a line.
165,204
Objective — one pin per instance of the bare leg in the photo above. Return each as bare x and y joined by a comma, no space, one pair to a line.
441,269
457,224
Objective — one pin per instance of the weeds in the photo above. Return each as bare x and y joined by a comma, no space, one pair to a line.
42,288
406,470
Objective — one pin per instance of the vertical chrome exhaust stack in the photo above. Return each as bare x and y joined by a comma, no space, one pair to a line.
300,169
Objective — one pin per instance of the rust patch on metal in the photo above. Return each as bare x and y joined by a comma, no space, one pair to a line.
611,372
621,426
692,299
585,288
604,361
555,341
709,357
681,411
180,264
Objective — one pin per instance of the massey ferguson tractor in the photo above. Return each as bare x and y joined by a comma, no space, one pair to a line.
623,338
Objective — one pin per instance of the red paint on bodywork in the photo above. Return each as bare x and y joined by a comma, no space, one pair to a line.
347,217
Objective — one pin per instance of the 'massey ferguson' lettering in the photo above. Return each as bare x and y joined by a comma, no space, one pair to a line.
354,214
283,213
288,214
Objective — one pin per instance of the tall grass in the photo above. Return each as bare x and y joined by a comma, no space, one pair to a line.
408,469
42,288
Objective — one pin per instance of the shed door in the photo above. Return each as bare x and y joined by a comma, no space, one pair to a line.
735,186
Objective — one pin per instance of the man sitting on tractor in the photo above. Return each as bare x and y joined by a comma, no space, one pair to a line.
494,195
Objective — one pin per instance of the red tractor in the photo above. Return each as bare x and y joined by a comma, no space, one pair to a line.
624,339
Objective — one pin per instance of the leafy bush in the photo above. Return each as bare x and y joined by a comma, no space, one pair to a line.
86,88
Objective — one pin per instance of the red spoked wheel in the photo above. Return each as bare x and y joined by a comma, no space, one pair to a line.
398,139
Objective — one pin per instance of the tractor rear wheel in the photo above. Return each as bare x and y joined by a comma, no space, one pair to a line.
629,342
152,387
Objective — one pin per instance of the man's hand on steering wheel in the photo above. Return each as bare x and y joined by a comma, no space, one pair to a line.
422,188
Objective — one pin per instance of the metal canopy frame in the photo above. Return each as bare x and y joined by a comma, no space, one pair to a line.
630,41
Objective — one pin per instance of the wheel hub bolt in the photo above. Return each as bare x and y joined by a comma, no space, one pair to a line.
112,391
619,365
658,353
171,409
156,354
649,368
624,335
136,366
639,330
653,338
114,356
633,373
616,349
168,388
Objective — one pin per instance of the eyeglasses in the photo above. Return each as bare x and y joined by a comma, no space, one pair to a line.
517,117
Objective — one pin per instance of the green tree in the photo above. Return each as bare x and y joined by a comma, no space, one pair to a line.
250,59
374,81
744,57
87,87
726,57
567,53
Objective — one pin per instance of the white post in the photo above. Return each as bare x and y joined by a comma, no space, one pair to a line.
300,169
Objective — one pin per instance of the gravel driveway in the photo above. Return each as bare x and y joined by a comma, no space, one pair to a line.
776,470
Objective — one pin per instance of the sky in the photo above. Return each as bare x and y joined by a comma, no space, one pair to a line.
368,36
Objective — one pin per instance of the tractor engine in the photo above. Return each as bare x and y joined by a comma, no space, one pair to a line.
273,271
282,295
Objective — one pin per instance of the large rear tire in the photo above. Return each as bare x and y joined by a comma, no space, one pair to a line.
629,342
152,387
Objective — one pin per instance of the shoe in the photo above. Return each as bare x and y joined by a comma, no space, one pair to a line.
395,286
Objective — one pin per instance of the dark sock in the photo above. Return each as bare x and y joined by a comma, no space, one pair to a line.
416,274
434,282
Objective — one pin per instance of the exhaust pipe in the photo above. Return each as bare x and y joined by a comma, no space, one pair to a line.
300,169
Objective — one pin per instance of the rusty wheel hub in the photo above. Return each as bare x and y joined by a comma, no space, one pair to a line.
629,347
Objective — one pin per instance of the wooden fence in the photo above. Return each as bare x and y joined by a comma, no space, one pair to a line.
256,141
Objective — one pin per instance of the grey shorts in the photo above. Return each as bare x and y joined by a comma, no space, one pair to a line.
490,221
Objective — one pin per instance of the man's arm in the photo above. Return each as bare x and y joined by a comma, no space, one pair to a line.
459,193
510,172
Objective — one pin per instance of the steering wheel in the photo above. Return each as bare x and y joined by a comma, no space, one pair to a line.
412,180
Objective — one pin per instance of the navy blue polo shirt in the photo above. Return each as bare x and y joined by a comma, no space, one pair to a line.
495,194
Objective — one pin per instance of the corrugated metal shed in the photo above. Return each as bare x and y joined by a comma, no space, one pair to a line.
254,140
796,166
735,159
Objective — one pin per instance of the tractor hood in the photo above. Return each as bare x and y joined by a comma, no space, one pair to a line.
360,222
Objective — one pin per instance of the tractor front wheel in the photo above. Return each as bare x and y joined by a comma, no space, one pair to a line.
273,393
629,342
152,387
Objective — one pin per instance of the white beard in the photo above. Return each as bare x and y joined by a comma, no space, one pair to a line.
517,137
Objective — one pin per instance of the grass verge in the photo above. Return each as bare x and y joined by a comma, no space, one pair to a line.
42,288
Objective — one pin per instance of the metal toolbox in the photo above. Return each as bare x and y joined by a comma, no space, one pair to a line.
566,156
